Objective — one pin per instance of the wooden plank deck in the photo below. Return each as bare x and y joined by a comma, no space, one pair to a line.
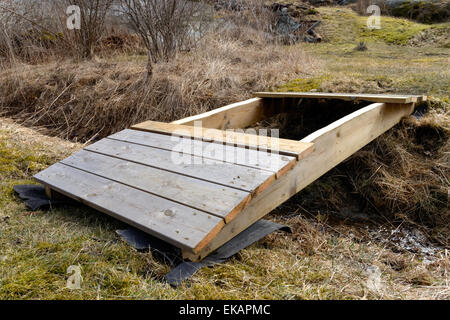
287,147
170,221
198,194
220,152
179,189
240,177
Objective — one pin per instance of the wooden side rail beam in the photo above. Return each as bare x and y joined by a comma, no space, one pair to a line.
383,98
238,115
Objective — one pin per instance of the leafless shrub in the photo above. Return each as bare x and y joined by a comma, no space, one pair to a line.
32,30
163,26
27,30
93,17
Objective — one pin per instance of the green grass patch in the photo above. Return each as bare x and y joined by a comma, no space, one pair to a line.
393,30
19,162
390,65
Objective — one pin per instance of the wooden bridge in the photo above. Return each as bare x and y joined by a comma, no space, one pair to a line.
198,187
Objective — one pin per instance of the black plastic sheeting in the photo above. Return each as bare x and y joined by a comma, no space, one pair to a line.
183,270
142,241
35,198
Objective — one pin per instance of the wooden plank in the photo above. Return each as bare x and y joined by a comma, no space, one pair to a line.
221,152
234,176
333,144
177,224
215,199
237,115
282,146
402,99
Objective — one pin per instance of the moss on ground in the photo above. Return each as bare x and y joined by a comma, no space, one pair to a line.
393,30
302,84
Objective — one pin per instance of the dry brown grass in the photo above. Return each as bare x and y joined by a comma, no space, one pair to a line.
82,100
413,167
346,257
401,178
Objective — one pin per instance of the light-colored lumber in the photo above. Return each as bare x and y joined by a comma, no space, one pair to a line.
296,149
221,152
212,198
237,115
333,144
179,225
49,192
384,98
54,195
230,175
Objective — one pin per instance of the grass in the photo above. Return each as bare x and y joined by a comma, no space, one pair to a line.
324,257
342,25
388,66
